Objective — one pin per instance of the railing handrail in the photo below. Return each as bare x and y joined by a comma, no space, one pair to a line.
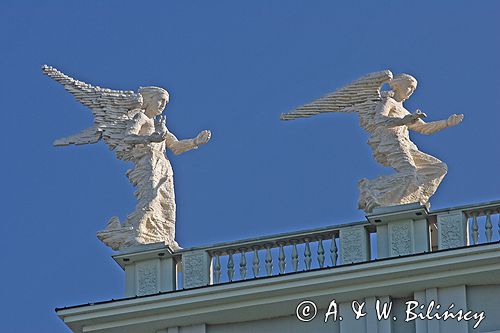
275,239
333,245
480,208
286,238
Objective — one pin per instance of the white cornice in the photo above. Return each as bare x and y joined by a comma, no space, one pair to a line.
278,296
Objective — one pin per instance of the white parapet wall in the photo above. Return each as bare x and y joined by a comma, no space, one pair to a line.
443,260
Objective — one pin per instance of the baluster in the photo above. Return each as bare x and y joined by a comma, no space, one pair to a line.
475,228
256,262
333,251
307,255
243,263
269,260
281,259
488,227
217,268
321,253
230,266
295,257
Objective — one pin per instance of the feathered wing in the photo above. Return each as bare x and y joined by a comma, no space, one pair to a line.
87,136
111,110
360,96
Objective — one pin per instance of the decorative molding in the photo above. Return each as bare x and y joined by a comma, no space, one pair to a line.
452,230
353,244
400,238
196,269
147,277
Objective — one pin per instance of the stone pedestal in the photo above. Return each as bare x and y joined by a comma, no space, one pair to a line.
401,230
149,269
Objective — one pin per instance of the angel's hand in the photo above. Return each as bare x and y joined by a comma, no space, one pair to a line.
161,126
202,138
454,119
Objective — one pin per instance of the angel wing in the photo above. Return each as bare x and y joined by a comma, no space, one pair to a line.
112,109
360,96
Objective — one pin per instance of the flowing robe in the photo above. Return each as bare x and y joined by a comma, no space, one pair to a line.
417,174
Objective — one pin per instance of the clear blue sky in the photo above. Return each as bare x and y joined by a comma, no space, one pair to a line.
231,67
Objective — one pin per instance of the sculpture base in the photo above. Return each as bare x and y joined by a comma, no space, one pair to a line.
401,229
149,269
394,209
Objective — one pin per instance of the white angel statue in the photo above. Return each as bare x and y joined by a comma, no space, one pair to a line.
384,117
131,124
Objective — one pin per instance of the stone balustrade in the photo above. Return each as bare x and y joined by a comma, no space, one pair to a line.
468,225
282,254
387,232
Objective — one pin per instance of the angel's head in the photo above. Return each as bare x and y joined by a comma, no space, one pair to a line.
154,100
403,86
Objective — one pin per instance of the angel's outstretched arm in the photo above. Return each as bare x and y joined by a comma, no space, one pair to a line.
421,126
180,146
